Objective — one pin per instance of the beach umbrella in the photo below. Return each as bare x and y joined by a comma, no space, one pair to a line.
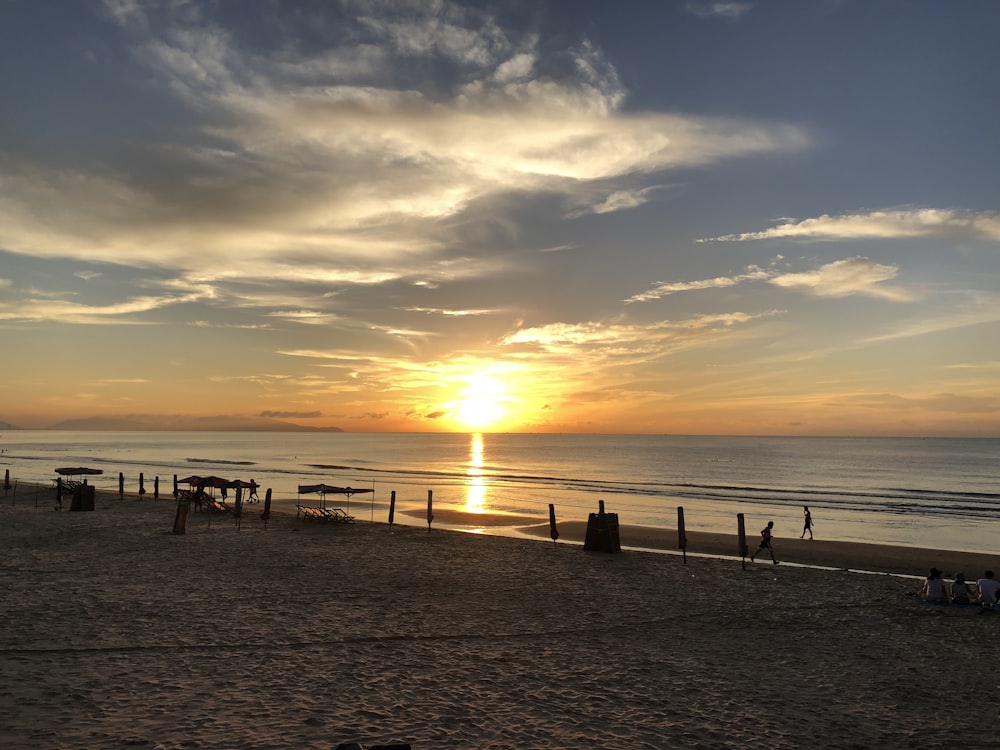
392,507
121,485
6,480
156,488
430,508
553,531
142,484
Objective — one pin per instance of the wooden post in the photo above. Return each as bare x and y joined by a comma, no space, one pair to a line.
142,486
741,533
180,519
392,507
430,508
682,541
156,488
266,515
238,508
175,486
121,486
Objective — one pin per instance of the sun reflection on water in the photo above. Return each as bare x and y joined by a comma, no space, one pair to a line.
476,499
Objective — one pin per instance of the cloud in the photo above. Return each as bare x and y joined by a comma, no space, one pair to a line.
841,278
291,414
345,164
847,277
937,402
619,200
753,273
730,11
63,311
886,224
625,339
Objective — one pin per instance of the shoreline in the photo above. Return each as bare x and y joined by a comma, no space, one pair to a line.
823,553
855,556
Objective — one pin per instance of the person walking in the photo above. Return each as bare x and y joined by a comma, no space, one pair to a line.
808,524
766,537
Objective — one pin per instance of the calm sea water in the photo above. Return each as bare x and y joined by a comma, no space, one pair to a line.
939,493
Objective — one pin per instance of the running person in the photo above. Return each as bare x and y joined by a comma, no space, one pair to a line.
765,542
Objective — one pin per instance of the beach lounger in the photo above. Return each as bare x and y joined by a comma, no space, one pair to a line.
309,512
338,515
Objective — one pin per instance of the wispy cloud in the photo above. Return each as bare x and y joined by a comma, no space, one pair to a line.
842,278
730,11
63,311
619,200
300,164
847,277
663,289
886,224
627,339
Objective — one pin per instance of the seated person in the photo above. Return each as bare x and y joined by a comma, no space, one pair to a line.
988,589
934,591
960,590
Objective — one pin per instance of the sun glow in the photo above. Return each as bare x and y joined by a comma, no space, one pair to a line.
482,403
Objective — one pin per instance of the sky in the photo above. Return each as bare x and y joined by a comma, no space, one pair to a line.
771,217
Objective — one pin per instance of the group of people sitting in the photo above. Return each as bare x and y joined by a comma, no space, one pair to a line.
937,591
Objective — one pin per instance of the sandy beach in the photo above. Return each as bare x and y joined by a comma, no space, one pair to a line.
308,634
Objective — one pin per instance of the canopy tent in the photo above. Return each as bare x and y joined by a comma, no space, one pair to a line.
327,489
73,471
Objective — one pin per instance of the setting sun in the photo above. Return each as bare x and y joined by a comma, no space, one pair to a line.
481,403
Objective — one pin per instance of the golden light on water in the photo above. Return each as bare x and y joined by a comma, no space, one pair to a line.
476,500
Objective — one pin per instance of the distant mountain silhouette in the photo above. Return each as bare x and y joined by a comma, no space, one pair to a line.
221,423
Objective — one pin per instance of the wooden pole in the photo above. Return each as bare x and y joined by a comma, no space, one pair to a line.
682,541
266,515
156,488
741,533
392,507
238,509
121,486
430,508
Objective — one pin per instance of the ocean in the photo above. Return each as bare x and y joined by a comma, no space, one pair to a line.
927,492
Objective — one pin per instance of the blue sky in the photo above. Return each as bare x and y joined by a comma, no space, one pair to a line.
670,217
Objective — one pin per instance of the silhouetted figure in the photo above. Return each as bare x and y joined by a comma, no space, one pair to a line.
765,542
987,589
933,590
808,522
960,590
